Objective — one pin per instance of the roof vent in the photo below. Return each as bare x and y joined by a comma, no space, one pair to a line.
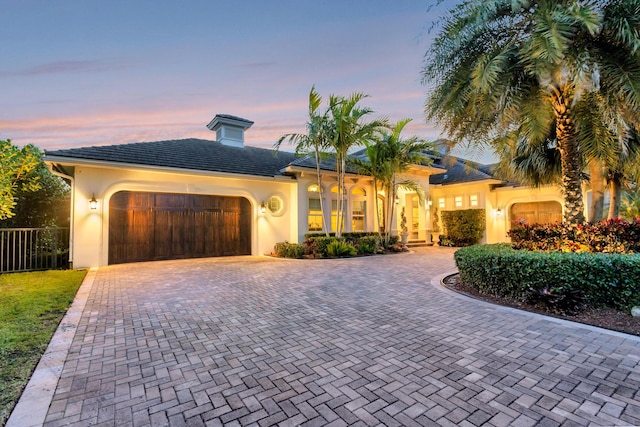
229,129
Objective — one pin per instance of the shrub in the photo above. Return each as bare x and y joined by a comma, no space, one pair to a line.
339,248
367,245
289,250
570,279
606,236
318,245
464,227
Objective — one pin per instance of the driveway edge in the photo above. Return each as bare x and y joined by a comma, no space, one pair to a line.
436,282
35,400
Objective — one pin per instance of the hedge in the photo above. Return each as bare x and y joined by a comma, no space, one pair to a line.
570,278
464,227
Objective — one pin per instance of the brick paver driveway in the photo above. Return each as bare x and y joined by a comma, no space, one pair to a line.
367,341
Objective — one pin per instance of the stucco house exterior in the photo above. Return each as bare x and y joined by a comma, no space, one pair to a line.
197,198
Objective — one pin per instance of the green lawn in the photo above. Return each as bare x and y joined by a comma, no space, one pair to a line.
31,307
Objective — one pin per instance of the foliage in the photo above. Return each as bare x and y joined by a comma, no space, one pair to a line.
31,308
631,203
606,236
315,141
346,129
340,248
368,245
289,250
539,80
385,159
403,221
47,206
570,280
464,227
16,164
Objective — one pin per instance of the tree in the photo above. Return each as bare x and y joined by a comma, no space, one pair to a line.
386,158
16,164
526,72
347,129
315,141
48,206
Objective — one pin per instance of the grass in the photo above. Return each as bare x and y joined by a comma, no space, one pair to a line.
31,307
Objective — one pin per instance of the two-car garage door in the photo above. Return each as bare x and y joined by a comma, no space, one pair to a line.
155,226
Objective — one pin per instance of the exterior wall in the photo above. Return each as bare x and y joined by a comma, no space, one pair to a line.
497,203
91,227
328,182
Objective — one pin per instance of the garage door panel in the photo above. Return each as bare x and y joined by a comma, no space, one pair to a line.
150,226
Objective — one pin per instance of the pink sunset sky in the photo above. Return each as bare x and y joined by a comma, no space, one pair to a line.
81,72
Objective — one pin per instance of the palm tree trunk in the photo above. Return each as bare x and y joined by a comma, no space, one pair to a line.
615,190
570,161
597,191
319,175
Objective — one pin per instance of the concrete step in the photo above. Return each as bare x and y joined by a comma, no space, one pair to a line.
418,244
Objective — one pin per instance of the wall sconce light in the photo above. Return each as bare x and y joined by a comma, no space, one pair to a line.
429,202
93,203
498,212
263,208
397,200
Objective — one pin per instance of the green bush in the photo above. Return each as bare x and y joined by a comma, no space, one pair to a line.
570,280
339,248
368,245
464,227
290,250
318,245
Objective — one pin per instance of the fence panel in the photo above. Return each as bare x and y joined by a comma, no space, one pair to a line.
31,249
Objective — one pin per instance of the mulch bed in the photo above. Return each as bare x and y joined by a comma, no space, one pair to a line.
607,318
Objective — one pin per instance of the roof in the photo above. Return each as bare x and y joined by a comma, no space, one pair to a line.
191,154
327,163
460,171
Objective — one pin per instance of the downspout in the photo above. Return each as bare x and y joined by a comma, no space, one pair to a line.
71,210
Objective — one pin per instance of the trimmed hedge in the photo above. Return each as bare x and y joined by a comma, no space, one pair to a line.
464,227
573,279
320,246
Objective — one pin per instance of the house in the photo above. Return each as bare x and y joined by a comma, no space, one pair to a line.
199,198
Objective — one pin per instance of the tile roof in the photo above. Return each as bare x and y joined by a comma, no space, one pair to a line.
192,154
460,171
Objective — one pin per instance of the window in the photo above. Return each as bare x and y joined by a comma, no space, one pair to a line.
441,203
314,212
473,201
358,209
334,210
275,205
458,201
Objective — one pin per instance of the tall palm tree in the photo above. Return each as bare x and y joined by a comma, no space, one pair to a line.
315,141
347,129
519,71
387,158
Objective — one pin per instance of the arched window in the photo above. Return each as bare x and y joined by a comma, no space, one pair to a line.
358,209
314,210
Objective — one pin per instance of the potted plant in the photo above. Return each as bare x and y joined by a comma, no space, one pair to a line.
403,227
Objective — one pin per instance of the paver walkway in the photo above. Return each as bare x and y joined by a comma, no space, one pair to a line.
366,341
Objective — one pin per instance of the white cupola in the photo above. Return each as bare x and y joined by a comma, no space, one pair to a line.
229,129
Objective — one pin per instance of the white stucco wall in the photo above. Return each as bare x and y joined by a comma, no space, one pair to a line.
91,227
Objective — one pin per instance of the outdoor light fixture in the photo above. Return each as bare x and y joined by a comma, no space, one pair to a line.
429,202
397,200
499,212
93,203
263,208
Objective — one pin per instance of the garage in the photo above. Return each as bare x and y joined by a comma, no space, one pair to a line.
537,212
161,226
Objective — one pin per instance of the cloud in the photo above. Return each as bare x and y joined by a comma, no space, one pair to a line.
64,67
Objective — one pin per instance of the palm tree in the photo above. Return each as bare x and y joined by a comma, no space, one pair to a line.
346,130
387,158
523,72
315,141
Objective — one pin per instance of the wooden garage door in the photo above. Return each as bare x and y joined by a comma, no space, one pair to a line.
537,212
155,226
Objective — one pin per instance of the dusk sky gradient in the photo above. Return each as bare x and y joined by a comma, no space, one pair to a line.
79,73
